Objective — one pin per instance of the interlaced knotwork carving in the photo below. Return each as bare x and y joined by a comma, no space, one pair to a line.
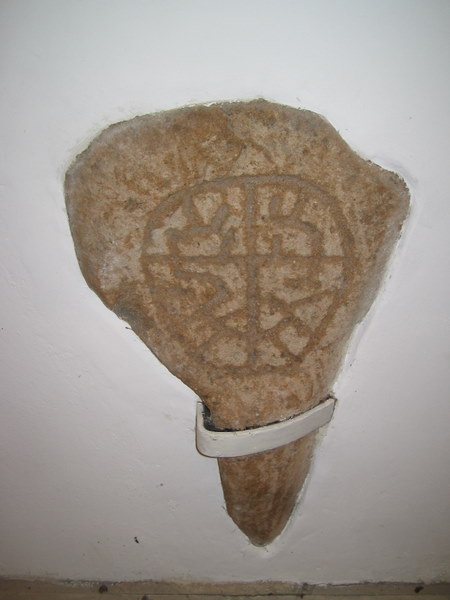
248,270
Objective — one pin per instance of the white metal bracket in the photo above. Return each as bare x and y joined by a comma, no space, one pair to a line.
251,441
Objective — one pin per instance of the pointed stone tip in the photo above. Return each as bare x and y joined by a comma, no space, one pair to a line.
261,490
262,542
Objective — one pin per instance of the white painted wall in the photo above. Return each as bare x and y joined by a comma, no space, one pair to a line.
97,442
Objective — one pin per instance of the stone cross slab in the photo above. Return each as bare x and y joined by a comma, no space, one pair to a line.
242,242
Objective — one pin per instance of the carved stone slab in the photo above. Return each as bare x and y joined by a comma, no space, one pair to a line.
242,242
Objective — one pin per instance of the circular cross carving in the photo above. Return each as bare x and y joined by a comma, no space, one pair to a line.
248,271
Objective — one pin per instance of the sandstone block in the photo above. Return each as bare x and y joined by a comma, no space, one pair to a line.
242,242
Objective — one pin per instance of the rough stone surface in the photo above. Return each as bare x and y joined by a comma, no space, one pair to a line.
242,242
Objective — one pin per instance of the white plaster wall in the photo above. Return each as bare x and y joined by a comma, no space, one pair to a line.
97,442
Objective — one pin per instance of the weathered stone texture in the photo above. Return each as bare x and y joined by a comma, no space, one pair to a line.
242,242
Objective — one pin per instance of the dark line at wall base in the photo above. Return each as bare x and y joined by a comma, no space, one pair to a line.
40,589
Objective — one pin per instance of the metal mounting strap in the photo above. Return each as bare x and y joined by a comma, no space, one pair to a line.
226,444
